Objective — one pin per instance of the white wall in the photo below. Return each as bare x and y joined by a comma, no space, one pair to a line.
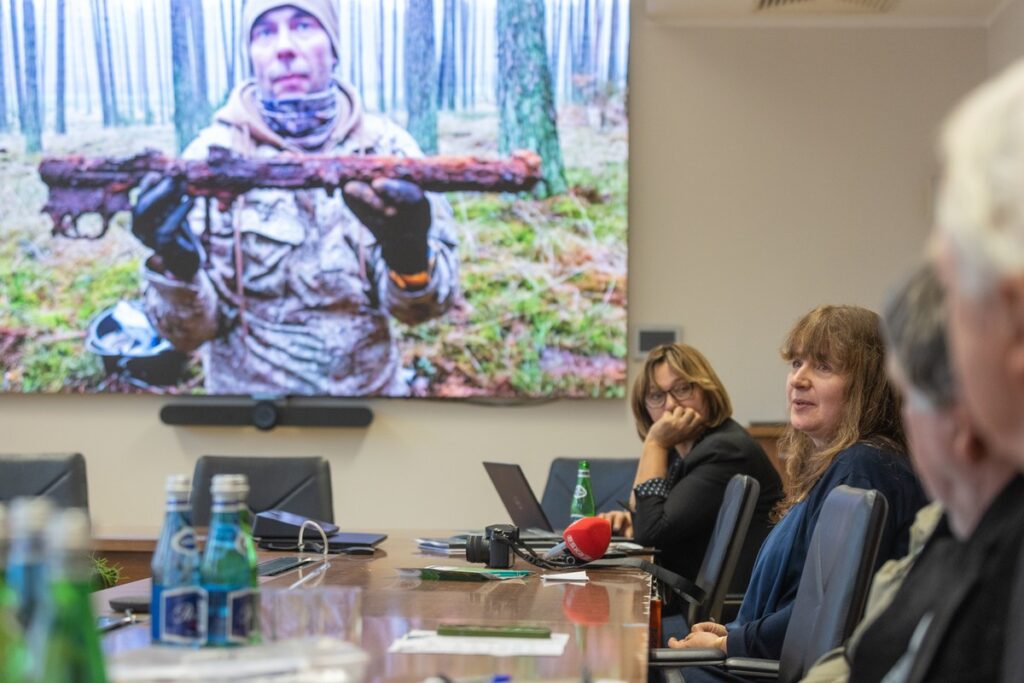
772,170
1006,36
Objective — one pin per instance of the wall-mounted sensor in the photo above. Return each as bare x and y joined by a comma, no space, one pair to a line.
649,337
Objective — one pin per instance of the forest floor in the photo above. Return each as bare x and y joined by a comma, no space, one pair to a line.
543,310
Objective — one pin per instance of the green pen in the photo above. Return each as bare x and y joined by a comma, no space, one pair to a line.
494,631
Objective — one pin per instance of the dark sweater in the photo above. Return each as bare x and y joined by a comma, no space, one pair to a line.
962,588
760,626
680,524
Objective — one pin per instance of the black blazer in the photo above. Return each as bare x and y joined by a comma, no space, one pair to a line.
680,525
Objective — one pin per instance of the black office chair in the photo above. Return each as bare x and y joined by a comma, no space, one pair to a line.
610,478
723,552
59,477
830,598
301,485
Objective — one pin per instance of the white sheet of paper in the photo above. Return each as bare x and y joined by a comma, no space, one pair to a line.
580,576
428,642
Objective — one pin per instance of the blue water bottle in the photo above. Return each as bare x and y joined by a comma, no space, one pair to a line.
26,569
178,603
228,569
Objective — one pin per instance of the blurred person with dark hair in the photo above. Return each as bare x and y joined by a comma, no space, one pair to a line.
949,605
293,292
691,449
844,428
978,246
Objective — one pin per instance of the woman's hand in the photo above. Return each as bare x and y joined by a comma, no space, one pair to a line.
621,521
703,635
676,426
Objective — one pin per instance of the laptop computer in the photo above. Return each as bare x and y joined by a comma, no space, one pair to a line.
519,499
522,504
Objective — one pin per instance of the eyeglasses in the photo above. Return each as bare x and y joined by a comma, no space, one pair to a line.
680,393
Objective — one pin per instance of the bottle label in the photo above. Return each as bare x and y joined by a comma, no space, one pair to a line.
184,541
183,615
580,491
242,613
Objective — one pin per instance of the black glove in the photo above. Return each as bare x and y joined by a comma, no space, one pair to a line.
159,220
398,215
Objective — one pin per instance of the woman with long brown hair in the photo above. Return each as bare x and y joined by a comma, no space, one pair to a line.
844,428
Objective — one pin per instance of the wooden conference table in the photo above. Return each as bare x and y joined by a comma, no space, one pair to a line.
606,619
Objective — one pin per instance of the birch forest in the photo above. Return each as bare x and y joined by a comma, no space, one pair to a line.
543,276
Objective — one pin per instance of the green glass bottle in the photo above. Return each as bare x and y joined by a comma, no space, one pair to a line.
64,643
228,568
13,655
583,496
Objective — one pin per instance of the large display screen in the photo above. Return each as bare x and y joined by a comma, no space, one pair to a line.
351,198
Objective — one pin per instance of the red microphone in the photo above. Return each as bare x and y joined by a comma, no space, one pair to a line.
585,539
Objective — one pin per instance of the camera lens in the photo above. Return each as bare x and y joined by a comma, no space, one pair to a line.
477,549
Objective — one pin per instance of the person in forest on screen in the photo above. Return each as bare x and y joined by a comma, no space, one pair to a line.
293,291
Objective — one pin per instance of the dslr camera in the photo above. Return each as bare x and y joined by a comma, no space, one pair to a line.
494,548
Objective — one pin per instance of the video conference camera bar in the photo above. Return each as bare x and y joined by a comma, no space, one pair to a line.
264,414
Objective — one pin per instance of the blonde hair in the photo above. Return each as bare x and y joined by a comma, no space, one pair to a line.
692,366
848,338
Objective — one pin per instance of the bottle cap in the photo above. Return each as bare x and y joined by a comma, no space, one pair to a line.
178,484
69,530
29,515
584,464
223,484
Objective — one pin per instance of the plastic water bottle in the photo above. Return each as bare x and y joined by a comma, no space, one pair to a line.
178,602
228,569
26,574
13,655
583,496
63,641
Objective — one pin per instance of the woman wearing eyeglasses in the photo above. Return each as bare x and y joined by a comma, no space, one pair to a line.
692,448
844,428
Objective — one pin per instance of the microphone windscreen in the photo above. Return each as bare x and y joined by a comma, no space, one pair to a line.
587,539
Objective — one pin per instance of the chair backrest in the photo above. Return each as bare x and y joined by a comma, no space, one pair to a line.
834,584
59,477
611,479
301,485
723,553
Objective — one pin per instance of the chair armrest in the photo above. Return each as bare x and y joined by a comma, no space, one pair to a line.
694,656
751,667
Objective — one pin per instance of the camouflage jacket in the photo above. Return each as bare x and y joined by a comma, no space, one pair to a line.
313,313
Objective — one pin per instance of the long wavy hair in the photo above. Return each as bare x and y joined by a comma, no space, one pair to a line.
692,366
848,338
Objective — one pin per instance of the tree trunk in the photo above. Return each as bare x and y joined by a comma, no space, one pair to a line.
382,104
187,120
227,33
115,112
33,129
421,73
394,56
159,52
463,54
147,107
60,121
525,103
446,76
4,127
554,47
201,81
613,51
19,78
129,87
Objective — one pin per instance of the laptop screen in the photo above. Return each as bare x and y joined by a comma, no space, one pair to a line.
518,497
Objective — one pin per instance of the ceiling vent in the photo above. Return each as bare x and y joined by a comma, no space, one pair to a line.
906,13
826,6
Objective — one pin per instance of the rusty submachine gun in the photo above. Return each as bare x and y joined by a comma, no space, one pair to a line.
80,185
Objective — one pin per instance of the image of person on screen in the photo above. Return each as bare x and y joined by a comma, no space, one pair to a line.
294,291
